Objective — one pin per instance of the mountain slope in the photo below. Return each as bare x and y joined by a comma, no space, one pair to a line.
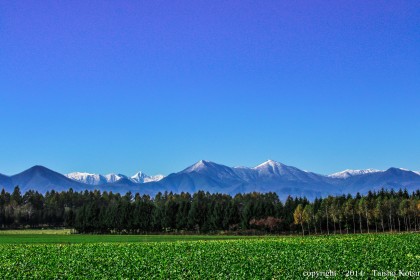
285,180
43,179
393,178
203,175
269,176
5,182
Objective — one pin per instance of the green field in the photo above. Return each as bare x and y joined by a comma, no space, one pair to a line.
64,237
35,231
198,257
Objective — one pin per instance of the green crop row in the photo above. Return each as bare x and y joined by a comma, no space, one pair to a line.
265,258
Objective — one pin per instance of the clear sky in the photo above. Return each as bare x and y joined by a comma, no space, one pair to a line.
122,86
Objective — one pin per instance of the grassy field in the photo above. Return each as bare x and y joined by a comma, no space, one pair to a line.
198,257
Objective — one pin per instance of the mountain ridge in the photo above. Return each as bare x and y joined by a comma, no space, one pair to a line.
99,179
269,176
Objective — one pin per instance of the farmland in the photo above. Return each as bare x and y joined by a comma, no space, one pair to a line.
198,257
64,237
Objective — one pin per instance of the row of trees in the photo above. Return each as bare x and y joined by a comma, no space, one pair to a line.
383,211
107,212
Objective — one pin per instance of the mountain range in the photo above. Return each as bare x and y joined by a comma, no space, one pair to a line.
98,179
270,176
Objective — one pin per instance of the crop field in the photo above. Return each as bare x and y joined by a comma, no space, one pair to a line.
357,256
63,237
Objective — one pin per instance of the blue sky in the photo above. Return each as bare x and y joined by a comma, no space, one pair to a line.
122,86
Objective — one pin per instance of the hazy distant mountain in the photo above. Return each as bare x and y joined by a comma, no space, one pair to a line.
270,176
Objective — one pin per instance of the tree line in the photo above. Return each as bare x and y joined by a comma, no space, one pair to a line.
203,212
382,211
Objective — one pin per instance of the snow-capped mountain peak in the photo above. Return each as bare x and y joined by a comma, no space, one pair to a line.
198,166
140,177
269,163
275,169
154,178
87,178
98,179
353,172
112,177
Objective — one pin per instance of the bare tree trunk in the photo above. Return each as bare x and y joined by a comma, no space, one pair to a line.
354,224
399,224
328,228
390,221
367,221
339,226
409,223
360,222
347,225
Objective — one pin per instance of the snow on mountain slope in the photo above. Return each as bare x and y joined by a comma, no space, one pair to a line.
154,178
350,173
198,166
112,177
212,170
274,169
87,178
140,177
417,172
98,179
